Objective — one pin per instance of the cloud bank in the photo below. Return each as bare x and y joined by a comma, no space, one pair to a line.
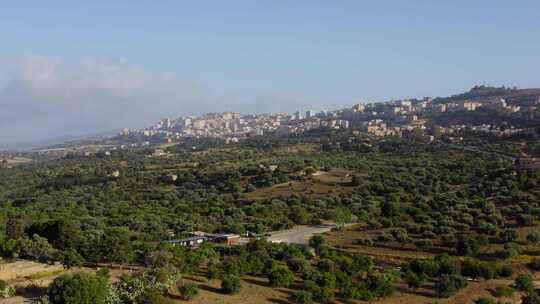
44,97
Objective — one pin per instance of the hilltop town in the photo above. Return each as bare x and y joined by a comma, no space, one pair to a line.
396,118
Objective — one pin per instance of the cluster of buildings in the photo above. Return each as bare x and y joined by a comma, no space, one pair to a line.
233,126
497,104
394,118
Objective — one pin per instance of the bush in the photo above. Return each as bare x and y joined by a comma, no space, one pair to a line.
510,250
316,241
302,297
485,301
531,298
81,288
467,245
524,283
415,280
327,280
533,237
325,295
298,264
72,258
280,277
503,291
35,248
6,291
213,272
188,290
449,284
505,271
231,284
311,286
153,296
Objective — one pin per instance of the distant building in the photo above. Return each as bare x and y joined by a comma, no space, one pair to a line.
359,107
227,238
191,242
471,105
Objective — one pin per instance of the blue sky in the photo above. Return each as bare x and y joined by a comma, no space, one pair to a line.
257,55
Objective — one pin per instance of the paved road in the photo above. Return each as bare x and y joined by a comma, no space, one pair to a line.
298,234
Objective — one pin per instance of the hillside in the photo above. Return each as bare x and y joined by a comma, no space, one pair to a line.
520,97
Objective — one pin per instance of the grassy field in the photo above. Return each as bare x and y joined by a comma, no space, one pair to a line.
318,185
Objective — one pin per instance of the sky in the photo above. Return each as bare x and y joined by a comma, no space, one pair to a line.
71,68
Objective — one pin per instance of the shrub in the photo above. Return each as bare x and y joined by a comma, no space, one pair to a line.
280,277
35,248
325,295
188,290
6,291
298,264
531,298
524,283
423,244
485,301
327,280
510,250
81,288
449,284
503,291
231,284
415,280
302,297
505,271
467,245
72,258
316,241
213,272
533,237
153,296
311,286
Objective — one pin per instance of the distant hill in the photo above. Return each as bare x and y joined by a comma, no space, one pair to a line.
513,96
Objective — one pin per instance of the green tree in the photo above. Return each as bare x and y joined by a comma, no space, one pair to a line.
484,300
448,284
188,290
467,245
300,215
342,216
317,242
117,245
415,280
81,288
533,237
280,277
302,297
531,298
231,284
72,258
524,283
35,248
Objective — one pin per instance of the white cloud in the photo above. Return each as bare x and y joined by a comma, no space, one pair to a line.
44,97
